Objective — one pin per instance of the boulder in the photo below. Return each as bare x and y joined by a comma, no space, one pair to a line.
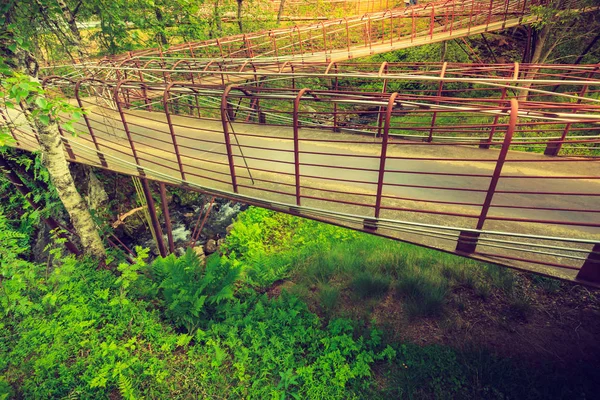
229,228
199,252
210,246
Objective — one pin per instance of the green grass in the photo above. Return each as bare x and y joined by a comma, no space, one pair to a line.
548,285
424,292
329,297
316,255
366,285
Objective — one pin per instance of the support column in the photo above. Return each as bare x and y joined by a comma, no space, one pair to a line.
590,270
154,218
165,207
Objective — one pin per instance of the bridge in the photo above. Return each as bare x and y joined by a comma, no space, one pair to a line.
494,162
352,37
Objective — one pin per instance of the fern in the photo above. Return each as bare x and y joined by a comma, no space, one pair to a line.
126,387
190,291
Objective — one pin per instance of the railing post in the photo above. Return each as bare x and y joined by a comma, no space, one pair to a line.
335,86
225,121
383,155
382,70
126,127
9,125
553,147
467,241
497,117
89,125
432,22
296,142
439,94
172,129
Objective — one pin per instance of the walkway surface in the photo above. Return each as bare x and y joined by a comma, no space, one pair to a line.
438,188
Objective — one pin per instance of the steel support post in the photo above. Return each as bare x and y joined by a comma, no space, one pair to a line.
439,94
172,130
467,241
165,207
126,128
153,217
89,125
590,270
553,147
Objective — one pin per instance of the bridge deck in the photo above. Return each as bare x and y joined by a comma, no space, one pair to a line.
424,183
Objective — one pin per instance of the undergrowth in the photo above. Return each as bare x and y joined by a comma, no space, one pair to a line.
180,328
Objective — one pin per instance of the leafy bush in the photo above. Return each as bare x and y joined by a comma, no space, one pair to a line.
191,292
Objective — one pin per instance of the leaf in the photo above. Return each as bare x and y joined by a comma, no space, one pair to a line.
67,126
41,102
44,119
184,340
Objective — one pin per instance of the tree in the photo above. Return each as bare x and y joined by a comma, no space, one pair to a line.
20,84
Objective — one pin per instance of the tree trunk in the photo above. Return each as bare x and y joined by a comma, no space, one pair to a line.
537,57
23,62
70,18
161,34
239,15
444,50
217,20
53,158
280,12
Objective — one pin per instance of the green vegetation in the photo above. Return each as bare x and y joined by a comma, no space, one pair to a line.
179,328
290,308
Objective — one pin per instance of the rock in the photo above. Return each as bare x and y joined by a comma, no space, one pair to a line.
199,252
220,243
210,246
229,228
96,196
187,198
